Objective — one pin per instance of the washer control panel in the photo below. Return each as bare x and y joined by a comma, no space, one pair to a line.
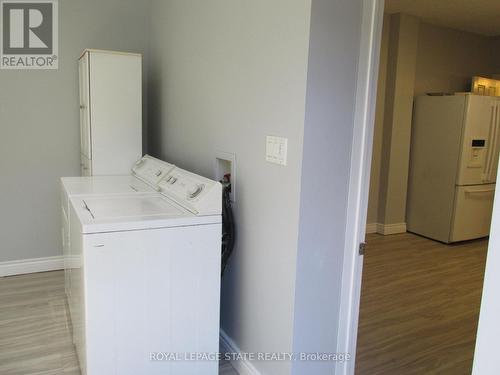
186,188
152,170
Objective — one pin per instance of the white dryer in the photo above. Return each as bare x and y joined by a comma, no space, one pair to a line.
146,278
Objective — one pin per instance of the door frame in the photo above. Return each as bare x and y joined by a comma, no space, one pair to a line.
359,184
485,360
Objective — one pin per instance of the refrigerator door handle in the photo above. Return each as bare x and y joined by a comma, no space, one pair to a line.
490,135
483,191
494,142
494,157
491,141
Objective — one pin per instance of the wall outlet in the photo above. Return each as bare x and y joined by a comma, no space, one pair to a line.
276,149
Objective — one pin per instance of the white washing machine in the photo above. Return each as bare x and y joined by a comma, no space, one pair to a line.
144,178
145,282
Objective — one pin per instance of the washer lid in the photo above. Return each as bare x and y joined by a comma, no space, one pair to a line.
114,213
104,185
103,208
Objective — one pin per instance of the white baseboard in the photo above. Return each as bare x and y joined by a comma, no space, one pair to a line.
20,267
243,367
385,229
371,228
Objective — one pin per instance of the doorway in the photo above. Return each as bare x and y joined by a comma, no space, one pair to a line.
420,294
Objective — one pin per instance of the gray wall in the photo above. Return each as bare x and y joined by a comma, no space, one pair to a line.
396,133
223,75
496,56
328,131
373,204
39,123
448,58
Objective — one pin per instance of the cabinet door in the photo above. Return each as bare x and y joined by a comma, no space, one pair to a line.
116,112
66,253
83,67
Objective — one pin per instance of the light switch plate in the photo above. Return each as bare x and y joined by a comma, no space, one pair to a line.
276,149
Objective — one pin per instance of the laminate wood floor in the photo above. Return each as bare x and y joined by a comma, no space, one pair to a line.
34,327
420,304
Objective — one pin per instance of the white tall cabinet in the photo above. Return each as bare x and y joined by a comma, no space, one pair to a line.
110,112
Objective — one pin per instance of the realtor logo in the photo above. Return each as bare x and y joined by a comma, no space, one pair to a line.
29,34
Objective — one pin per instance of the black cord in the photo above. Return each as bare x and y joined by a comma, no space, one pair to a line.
228,228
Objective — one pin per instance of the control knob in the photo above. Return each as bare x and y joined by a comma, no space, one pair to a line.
195,191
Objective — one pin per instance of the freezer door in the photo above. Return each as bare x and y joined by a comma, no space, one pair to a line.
473,209
479,126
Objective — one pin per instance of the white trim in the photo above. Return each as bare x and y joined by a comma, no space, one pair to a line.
23,266
244,367
357,205
387,229
371,228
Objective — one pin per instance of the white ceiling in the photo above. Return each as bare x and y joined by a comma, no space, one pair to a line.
477,16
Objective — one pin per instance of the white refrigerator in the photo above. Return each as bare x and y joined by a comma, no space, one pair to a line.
110,112
453,166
